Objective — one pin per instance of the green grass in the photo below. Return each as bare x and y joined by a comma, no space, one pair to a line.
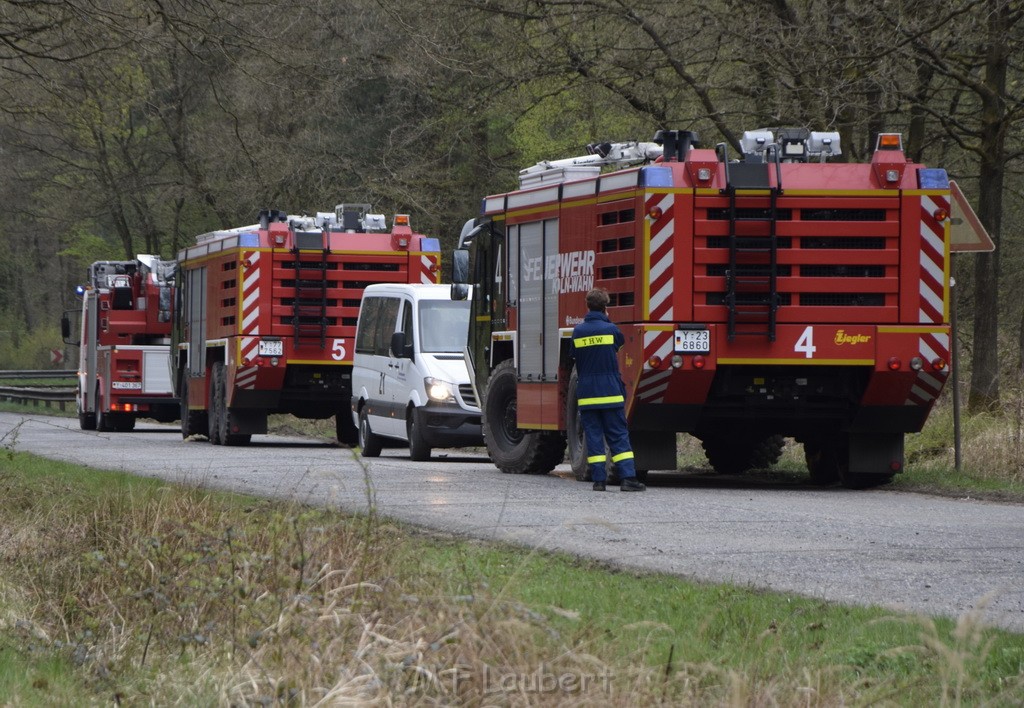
134,588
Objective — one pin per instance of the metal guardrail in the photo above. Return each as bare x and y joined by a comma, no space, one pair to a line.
39,374
25,395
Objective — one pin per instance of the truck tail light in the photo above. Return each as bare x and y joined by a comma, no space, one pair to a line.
655,213
698,362
894,363
939,364
654,362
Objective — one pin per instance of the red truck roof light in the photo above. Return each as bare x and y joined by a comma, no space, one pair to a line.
889,141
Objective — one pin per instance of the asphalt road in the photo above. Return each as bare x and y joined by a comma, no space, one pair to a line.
912,552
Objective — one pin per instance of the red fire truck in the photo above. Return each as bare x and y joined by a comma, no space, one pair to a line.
266,316
776,294
124,343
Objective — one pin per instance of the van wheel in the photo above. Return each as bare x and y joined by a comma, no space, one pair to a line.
370,443
419,449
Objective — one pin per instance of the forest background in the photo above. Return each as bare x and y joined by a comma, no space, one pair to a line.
131,126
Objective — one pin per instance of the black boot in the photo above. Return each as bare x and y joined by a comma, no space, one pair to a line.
598,486
630,484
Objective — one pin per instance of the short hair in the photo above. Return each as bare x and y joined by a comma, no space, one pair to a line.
597,299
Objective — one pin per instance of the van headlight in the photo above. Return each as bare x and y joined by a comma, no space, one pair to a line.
438,390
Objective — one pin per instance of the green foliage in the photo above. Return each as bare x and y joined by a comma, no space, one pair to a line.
20,349
84,247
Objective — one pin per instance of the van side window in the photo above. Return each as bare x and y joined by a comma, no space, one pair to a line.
407,323
369,317
386,326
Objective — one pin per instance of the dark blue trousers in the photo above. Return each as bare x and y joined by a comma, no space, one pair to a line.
607,424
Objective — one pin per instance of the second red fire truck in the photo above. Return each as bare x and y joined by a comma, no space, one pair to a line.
124,340
266,316
775,294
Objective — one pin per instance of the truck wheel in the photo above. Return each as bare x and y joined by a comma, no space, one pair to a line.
222,419
513,450
419,449
102,421
369,443
736,456
192,422
345,429
576,442
822,461
214,404
86,421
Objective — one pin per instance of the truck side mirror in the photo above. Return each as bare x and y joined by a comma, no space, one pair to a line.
460,291
65,329
460,268
399,348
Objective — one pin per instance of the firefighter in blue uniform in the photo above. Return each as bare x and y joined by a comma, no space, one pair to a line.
601,394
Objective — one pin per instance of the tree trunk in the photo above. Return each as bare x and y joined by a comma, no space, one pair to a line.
984,392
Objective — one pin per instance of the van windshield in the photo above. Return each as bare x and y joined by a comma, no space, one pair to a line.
443,325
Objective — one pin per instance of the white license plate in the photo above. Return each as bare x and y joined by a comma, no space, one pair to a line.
269,347
693,341
126,385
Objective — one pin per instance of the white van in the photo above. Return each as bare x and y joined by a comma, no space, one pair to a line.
409,378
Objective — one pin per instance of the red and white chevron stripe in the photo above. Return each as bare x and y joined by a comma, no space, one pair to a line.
428,268
929,383
660,258
653,384
933,260
245,376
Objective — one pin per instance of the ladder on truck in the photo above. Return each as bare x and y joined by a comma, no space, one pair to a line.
751,296
309,306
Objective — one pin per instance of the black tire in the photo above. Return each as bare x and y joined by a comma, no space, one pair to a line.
823,463
345,428
102,421
737,455
214,403
192,422
419,449
369,444
223,417
513,450
575,440
86,421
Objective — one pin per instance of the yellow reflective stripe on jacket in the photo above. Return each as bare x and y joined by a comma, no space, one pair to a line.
628,455
596,458
600,400
593,341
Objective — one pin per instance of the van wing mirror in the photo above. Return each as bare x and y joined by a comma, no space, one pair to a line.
399,347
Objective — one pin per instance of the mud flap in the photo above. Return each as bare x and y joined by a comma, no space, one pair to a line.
653,449
876,453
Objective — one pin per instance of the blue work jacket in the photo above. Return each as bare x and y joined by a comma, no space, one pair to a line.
595,341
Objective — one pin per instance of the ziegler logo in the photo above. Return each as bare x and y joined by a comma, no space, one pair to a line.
843,338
